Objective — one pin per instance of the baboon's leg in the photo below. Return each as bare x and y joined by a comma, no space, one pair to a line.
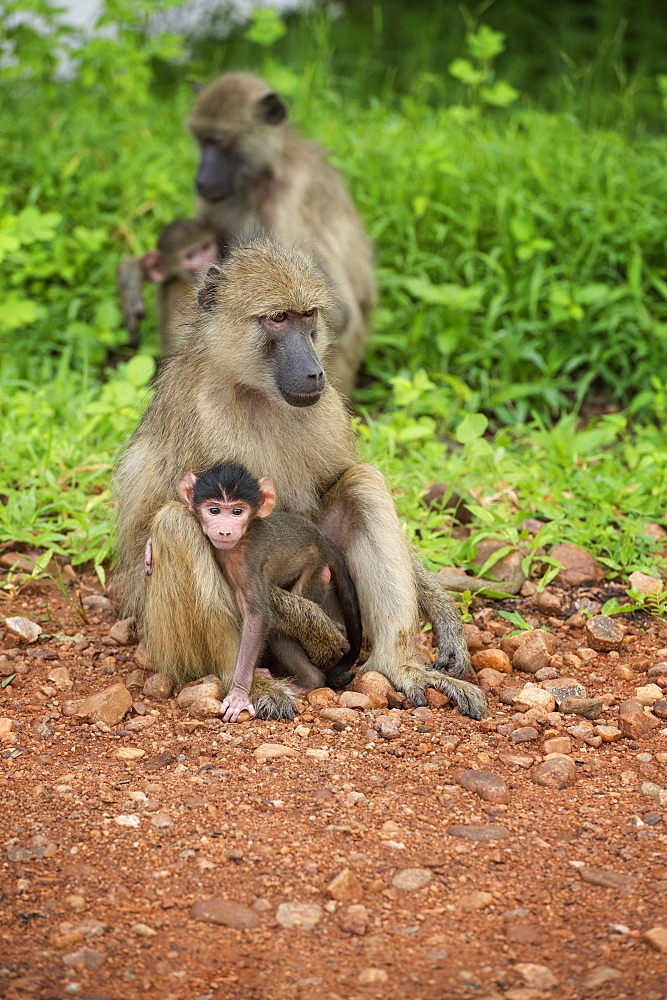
293,660
437,606
360,516
322,639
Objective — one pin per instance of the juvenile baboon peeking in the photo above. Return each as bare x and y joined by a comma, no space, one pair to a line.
256,174
185,249
249,388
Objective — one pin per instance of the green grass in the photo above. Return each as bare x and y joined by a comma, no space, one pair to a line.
520,262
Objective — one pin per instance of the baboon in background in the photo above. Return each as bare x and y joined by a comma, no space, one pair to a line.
185,249
249,388
256,174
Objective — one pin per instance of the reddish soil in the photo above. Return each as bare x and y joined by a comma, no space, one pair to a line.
97,910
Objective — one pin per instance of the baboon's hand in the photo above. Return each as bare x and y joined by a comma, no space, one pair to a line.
236,701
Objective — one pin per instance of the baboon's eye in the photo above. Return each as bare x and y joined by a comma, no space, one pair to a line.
279,317
309,312
237,511
213,511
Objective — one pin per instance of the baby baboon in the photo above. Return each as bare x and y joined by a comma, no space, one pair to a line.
254,551
249,388
185,249
256,174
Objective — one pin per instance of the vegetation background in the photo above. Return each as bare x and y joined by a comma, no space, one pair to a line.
509,162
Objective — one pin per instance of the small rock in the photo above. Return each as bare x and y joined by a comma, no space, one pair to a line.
97,603
346,887
130,753
158,686
316,754
648,694
644,583
124,632
143,930
537,977
604,633
586,734
589,708
61,677
109,706
605,879
128,819
225,911
272,751
84,958
523,734
7,726
523,760
135,678
374,684
354,699
599,976
411,879
489,679
299,916
198,692
558,744
637,725
372,977
388,727
478,832
608,734
486,784
556,772
536,697
563,688
546,674
660,708
579,566
475,900
435,699
161,821
657,938
492,659
534,651
321,697
343,716
473,636
354,920
23,629
209,708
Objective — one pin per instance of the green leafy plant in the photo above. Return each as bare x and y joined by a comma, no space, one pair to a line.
484,46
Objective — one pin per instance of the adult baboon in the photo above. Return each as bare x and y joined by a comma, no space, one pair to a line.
256,174
249,388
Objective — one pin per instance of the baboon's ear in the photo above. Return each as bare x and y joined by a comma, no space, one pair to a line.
207,296
272,110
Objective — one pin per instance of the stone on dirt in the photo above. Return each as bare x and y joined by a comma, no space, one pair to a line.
61,678
354,699
22,629
346,887
354,920
537,977
388,727
579,566
224,911
97,603
210,688
478,832
343,716
636,724
606,879
599,976
648,694
321,697
557,744
535,697
158,686
85,958
372,977
124,632
657,938
492,659
556,772
604,633
644,583
589,708
475,900
299,916
273,751
523,734
486,784
109,706
563,688
375,685
411,879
